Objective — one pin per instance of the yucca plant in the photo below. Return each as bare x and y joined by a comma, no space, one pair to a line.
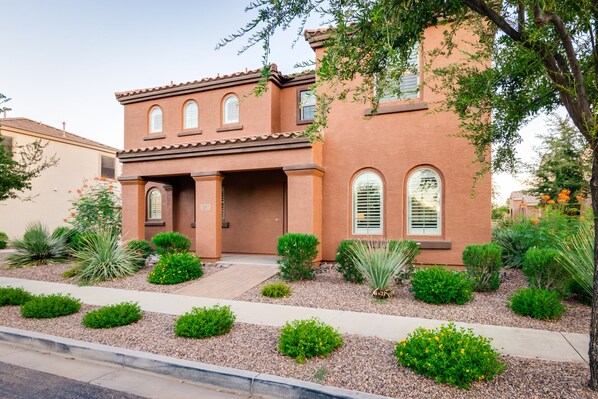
577,257
101,257
38,247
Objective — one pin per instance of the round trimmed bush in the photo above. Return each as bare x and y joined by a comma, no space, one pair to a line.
457,357
205,322
483,264
120,314
278,289
303,339
141,249
10,296
438,285
3,240
171,242
543,270
537,303
49,306
174,268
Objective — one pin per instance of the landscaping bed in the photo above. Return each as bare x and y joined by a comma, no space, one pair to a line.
329,290
364,364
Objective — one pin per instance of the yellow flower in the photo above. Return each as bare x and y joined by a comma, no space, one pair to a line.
436,337
440,346
462,351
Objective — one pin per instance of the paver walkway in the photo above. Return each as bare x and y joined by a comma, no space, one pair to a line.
520,342
230,282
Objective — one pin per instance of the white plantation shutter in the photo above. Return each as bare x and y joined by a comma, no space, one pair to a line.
154,205
231,110
409,83
156,120
191,115
367,204
424,196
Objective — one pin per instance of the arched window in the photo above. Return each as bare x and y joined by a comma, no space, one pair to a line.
155,120
424,202
154,204
191,116
367,204
230,110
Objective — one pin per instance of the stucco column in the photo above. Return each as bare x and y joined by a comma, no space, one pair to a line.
208,215
304,200
168,217
133,207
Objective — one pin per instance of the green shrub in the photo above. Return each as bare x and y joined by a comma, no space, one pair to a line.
3,240
346,266
542,270
577,257
205,322
98,207
171,242
438,285
63,231
278,289
120,314
410,249
174,268
142,249
37,247
297,255
537,303
14,296
483,264
303,339
49,306
101,257
457,357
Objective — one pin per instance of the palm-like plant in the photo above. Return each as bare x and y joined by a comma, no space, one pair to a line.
577,257
38,247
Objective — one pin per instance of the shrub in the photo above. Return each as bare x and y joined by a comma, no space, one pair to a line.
98,207
298,253
542,270
3,240
120,314
278,289
14,296
101,257
448,355
37,247
205,322
303,339
537,303
142,249
409,249
170,242
483,263
346,266
48,306
174,268
577,257
438,285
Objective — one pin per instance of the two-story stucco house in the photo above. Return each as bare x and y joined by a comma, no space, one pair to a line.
228,169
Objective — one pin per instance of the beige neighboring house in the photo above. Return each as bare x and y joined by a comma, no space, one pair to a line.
523,205
79,159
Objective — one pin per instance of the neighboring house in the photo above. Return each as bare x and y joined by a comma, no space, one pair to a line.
523,205
229,170
79,159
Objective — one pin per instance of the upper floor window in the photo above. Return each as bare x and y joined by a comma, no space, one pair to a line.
154,204
191,116
155,120
108,167
408,84
230,110
424,202
6,142
307,105
367,204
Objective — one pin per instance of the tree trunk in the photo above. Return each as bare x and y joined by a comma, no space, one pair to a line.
593,352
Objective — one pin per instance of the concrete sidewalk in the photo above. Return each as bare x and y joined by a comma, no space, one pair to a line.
520,342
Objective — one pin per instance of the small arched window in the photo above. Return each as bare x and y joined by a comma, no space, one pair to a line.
191,116
155,120
367,204
154,204
230,110
424,202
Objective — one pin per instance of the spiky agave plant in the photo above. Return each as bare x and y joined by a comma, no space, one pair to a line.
577,256
38,247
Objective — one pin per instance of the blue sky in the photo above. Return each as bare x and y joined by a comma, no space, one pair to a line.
63,60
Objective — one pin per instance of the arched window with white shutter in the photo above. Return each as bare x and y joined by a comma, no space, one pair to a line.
154,204
190,115
424,203
155,120
230,109
368,199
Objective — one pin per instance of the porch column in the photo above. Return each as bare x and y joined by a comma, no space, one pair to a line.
168,208
133,207
304,200
208,215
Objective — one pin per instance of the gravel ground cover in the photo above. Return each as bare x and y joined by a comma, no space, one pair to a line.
365,364
137,282
330,290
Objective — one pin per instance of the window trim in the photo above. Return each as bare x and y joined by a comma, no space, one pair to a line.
150,120
149,217
357,231
299,120
223,110
440,218
184,115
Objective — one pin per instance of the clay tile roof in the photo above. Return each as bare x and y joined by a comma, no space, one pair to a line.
310,33
51,132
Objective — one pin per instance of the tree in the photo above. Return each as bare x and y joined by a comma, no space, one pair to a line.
564,162
544,55
20,164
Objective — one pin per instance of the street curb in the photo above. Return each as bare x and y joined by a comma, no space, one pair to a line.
203,373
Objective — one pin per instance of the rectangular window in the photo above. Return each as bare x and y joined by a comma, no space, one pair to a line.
408,85
7,143
307,105
108,169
